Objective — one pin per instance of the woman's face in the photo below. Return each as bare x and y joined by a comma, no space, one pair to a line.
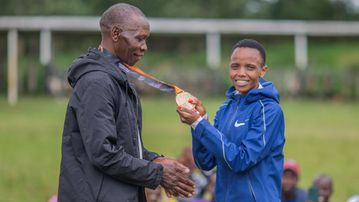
246,67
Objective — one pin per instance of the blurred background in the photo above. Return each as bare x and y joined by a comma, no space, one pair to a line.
312,54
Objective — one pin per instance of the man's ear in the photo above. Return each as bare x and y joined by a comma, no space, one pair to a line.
115,32
263,71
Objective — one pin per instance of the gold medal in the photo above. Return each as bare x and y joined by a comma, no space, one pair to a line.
182,100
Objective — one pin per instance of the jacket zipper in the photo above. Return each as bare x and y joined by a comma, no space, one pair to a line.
128,86
134,93
251,188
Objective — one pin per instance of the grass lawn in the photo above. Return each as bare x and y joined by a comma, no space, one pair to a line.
322,136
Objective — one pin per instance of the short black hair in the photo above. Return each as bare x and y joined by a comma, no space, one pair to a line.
251,43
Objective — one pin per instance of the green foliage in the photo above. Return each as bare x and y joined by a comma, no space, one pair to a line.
44,7
309,10
321,136
3,62
266,9
337,53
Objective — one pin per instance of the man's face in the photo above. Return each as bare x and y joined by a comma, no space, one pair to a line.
289,181
246,66
324,189
130,40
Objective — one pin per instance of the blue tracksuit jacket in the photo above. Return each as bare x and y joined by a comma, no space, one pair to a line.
246,144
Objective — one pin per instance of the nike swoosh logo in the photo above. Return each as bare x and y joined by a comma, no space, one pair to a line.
236,124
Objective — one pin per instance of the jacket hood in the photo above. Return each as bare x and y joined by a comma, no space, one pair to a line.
94,60
268,91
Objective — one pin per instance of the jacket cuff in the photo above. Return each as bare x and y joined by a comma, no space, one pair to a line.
155,157
198,131
152,156
158,177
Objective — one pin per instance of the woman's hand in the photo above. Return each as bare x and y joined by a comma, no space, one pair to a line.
198,106
190,116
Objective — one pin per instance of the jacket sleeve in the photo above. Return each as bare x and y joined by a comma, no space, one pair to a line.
267,126
148,155
203,157
95,115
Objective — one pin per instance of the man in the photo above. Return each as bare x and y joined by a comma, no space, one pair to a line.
247,138
324,185
103,158
290,191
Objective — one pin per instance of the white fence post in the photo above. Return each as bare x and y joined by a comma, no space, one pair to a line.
301,51
213,50
45,47
12,49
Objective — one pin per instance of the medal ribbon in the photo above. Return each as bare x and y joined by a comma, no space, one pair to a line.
150,80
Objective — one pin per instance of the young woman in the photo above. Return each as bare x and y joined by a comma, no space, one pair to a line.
247,138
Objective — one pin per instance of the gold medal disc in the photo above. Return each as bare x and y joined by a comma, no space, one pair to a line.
182,100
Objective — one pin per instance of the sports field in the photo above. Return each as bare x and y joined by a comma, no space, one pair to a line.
322,135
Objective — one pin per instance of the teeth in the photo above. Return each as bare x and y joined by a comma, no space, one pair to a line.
241,81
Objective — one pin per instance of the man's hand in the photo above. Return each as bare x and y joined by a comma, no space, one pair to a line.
175,179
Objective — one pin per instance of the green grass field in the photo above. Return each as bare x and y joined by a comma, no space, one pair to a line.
322,136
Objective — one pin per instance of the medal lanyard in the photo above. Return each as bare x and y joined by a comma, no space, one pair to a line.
150,80
153,81
182,98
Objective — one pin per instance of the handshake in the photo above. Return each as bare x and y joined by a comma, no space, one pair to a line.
176,178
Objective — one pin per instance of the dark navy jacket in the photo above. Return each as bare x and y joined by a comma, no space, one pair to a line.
103,158
246,144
